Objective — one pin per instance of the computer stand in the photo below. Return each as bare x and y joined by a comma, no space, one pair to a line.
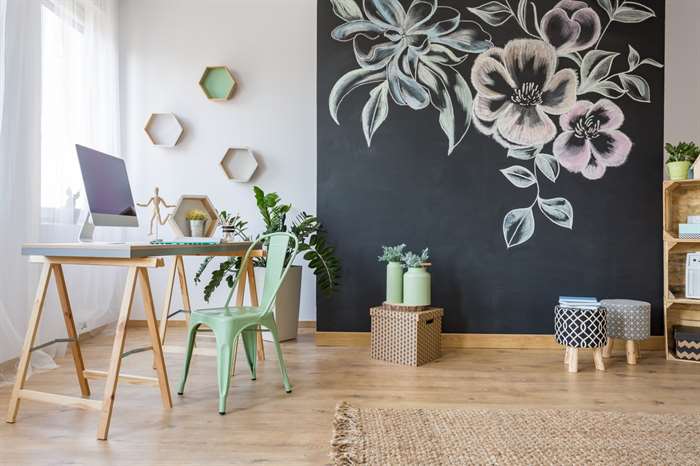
87,230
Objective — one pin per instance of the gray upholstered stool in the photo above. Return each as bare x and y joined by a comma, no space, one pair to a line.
581,328
628,320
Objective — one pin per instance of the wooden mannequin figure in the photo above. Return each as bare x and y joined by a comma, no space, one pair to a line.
157,201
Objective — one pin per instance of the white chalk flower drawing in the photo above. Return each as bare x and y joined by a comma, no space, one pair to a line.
528,93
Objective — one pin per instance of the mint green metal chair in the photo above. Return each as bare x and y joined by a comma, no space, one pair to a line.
230,322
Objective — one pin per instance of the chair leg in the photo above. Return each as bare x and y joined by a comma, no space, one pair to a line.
631,352
272,325
224,352
250,342
191,335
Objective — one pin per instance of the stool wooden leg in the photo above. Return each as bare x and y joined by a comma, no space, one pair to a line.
566,355
573,359
631,352
636,347
598,359
607,349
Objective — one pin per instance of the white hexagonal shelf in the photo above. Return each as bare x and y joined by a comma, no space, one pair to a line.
178,221
163,129
239,164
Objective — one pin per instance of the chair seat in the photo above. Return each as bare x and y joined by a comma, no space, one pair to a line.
237,313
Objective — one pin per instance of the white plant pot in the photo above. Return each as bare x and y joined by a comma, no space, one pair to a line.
287,305
197,228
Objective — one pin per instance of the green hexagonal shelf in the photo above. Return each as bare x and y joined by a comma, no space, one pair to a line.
217,83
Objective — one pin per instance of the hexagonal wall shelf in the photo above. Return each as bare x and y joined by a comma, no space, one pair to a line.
179,223
218,83
239,164
163,129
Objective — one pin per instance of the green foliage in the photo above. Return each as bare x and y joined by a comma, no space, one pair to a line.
411,259
391,253
196,214
313,246
682,152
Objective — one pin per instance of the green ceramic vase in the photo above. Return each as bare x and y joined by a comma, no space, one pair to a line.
394,283
416,287
678,170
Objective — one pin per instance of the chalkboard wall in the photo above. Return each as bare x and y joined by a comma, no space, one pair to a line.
521,143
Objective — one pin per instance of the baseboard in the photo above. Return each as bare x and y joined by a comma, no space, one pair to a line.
140,323
476,340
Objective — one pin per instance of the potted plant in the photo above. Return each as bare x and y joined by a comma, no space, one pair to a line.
312,248
232,227
197,219
394,272
680,158
416,281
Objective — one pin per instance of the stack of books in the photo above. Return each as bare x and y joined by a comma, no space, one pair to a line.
579,302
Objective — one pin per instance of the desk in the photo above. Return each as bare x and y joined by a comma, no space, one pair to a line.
138,258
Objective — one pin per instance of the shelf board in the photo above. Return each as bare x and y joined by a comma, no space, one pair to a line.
671,357
673,239
683,301
685,183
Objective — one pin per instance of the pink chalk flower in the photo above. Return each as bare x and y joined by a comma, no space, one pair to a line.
591,140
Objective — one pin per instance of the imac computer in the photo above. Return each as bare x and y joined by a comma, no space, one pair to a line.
108,192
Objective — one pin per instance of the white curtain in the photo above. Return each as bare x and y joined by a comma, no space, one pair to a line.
61,76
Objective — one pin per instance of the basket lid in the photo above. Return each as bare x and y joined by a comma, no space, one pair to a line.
427,314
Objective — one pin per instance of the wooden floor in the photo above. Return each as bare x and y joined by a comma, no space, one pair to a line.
266,426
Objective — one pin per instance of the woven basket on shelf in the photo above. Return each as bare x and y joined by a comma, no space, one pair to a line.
411,338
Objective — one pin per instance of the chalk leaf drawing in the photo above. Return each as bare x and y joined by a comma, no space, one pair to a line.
552,88
411,56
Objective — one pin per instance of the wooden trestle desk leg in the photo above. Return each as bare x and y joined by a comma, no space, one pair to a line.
32,328
70,328
118,346
177,268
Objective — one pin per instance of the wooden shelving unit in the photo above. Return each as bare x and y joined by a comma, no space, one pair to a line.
680,199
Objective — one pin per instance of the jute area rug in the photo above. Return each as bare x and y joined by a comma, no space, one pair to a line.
505,437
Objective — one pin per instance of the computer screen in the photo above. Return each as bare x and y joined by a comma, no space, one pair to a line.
107,188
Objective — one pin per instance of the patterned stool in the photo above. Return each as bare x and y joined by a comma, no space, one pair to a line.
627,320
581,328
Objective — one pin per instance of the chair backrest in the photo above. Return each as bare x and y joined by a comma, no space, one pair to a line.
277,246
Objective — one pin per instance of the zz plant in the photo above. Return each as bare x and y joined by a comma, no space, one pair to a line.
307,228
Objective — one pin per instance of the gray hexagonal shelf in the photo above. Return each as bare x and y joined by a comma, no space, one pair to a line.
239,164
163,129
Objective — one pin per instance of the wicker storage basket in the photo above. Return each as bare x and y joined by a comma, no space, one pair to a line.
405,337
687,342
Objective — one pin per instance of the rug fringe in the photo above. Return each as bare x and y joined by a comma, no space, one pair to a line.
346,436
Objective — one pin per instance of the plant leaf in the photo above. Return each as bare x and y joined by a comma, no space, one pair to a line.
637,87
632,12
652,62
349,82
632,57
451,96
608,89
375,110
607,6
492,13
548,165
518,226
347,10
594,68
519,176
525,153
576,58
522,13
558,210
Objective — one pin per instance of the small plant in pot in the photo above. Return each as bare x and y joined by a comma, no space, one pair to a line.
232,227
394,272
680,157
197,220
416,281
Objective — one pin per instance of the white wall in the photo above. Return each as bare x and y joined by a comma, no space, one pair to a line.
270,45
682,119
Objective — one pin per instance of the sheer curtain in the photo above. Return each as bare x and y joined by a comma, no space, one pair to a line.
60,72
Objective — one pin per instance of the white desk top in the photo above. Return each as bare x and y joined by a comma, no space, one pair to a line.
130,250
